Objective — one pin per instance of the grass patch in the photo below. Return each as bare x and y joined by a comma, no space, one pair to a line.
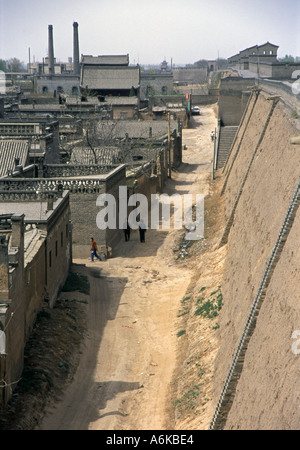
189,399
294,115
76,282
181,333
210,307
201,371
185,309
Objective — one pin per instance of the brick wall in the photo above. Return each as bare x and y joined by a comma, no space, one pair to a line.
28,283
84,213
234,95
58,252
52,83
158,84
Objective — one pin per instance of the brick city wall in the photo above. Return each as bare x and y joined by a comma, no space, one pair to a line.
234,96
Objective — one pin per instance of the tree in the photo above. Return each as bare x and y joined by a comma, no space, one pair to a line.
222,63
14,65
201,64
287,59
3,65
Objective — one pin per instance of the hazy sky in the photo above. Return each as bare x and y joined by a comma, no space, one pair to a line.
148,30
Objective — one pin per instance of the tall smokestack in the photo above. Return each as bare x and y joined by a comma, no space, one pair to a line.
76,67
51,50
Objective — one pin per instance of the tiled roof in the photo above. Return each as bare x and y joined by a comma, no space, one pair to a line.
11,149
135,129
121,101
106,77
86,156
106,60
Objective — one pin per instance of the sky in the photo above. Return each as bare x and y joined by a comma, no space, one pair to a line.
148,30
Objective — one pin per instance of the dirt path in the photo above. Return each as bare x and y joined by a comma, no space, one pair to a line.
129,355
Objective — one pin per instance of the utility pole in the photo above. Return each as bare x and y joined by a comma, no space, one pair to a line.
214,155
169,146
29,65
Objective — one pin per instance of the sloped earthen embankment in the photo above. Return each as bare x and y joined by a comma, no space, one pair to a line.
260,179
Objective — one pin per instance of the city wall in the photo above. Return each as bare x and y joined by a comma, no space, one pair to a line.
260,178
234,95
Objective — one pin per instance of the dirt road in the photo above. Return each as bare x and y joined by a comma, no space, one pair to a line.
129,354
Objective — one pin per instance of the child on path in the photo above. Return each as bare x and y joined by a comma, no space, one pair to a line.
94,250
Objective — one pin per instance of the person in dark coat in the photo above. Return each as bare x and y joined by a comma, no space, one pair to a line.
142,231
127,231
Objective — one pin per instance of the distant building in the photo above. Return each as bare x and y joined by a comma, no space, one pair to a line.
28,141
42,68
57,84
109,75
157,82
266,53
14,154
57,78
262,60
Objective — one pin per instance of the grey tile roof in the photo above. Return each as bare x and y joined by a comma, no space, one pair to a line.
105,156
34,211
106,77
10,149
121,101
135,128
106,60
41,108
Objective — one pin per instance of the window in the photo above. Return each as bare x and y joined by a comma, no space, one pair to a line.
61,239
16,129
45,90
149,91
74,90
56,248
164,90
50,259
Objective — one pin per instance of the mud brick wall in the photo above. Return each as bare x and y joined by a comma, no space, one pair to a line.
12,318
59,244
84,213
34,287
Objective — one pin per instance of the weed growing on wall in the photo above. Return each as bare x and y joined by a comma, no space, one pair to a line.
210,305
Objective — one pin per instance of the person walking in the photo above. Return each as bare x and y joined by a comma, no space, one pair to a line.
94,250
127,231
142,230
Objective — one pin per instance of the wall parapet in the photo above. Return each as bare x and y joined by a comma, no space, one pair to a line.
43,185
28,186
76,170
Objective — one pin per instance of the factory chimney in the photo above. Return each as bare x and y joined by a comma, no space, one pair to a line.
76,67
51,51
